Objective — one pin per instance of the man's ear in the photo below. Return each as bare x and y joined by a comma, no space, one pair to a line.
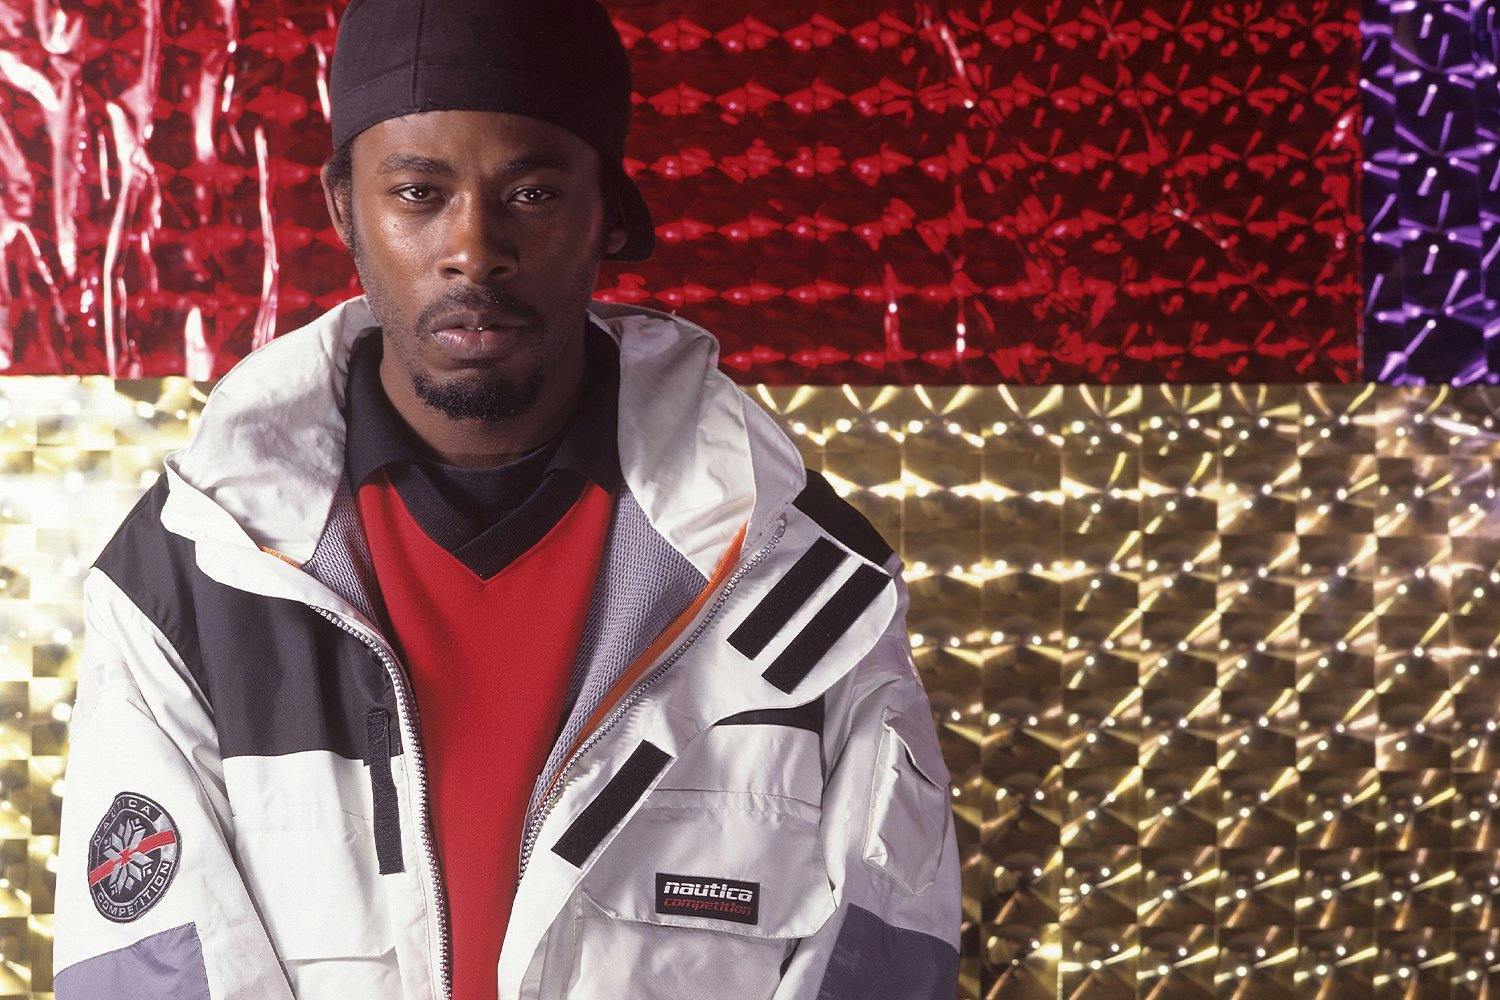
336,205
615,230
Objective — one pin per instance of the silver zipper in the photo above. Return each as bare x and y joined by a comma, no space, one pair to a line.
406,716
534,826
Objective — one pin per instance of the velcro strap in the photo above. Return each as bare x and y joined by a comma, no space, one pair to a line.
603,814
832,621
786,598
383,793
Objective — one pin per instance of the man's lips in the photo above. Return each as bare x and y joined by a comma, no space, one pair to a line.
465,344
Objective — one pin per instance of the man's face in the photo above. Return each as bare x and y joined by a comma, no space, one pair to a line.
460,220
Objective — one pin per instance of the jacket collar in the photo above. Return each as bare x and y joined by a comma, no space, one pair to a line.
262,468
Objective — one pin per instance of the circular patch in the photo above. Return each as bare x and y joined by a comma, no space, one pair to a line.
132,857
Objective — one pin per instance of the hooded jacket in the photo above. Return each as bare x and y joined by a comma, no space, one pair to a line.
746,800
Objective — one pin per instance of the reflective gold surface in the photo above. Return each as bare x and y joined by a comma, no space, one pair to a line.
1217,668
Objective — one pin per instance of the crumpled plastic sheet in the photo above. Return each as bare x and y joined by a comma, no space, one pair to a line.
966,192
1431,195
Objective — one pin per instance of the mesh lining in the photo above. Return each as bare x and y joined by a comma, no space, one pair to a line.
643,584
341,561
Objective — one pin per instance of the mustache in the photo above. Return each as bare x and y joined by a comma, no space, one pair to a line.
487,300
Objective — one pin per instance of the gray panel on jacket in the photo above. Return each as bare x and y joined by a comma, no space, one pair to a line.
872,960
164,966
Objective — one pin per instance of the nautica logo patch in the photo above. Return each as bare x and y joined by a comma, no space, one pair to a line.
698,896
133,857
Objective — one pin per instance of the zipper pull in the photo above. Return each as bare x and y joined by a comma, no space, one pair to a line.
383,793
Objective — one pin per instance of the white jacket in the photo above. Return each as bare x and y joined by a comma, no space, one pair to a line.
747,799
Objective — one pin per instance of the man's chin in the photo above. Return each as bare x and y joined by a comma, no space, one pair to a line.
476,396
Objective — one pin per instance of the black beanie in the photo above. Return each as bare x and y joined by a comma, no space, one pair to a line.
557,60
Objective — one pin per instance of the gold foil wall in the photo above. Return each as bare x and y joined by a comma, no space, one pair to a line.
1217,668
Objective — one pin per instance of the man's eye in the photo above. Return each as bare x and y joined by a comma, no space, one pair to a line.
415,193
534,196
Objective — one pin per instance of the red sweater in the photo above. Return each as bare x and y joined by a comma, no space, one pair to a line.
490,661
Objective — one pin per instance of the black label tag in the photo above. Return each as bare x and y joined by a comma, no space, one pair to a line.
716,898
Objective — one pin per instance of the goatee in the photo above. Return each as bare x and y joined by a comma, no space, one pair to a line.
491,401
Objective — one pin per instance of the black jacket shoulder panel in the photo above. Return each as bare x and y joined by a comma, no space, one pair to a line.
150,565
837,516
279,678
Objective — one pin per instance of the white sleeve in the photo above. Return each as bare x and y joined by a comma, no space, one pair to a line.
889,839
150,902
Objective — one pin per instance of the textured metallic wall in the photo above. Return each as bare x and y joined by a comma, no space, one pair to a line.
1217,667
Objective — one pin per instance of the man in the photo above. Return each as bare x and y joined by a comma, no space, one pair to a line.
486,641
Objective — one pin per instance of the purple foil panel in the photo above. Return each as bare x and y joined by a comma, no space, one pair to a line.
1430,182
1487,123
1384,320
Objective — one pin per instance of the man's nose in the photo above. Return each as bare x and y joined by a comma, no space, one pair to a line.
477,242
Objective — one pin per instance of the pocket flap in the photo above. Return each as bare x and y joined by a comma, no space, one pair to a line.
917,736
909,805
738,862
311,882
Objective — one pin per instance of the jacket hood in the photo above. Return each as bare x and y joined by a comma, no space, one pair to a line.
700,457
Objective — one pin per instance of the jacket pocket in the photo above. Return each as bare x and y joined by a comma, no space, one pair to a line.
908,803
770,760
703,893
314,881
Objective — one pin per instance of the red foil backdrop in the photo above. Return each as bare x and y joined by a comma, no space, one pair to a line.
1032,192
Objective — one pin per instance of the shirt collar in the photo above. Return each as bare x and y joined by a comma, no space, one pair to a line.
377,435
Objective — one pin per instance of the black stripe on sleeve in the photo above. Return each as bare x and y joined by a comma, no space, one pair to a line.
809,717
837,516
610,806
770,616
383,792
832,620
